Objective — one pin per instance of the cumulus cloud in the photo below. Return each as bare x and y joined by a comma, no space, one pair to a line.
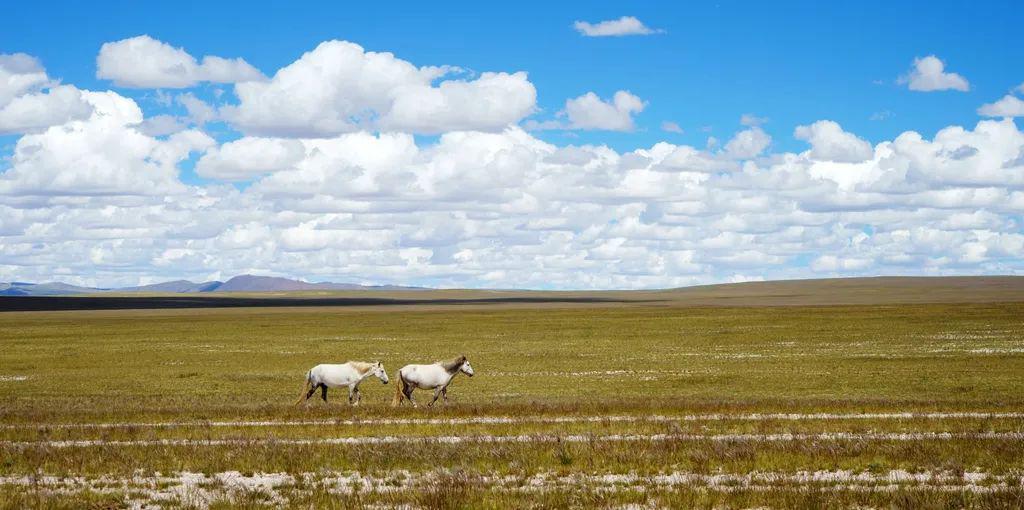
31,101
103,155
506,209
144,62
626,25
199,112
488,103
101,200
829,142
339,87
834,264
1008,106
249,157
32,112
928,74
591,112
20,74
748,143
161,125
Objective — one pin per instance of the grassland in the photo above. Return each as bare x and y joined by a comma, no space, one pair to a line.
649,402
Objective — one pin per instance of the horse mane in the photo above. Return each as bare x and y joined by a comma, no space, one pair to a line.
452,364
361,366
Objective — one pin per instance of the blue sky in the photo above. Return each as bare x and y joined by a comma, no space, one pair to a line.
790,65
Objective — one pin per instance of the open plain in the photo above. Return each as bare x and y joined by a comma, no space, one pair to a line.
845,393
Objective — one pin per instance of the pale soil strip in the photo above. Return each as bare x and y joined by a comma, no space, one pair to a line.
527,438
498,420
408,478
197,489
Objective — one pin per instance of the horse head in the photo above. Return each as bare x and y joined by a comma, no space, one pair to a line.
378,370
466,368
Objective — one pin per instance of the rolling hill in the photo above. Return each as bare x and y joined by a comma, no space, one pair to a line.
254,291
241,283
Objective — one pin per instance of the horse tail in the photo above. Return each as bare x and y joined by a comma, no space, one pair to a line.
305,388
399,388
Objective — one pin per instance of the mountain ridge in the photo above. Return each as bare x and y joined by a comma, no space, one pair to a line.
240,283
866,285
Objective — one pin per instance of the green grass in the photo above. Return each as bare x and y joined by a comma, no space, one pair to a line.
634,359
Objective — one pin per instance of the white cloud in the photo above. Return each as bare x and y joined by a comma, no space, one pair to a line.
247,158
829,142
928,74
199,112
101,200
161,125
33,112
671,127
626,25
227,70
339,88
144,62
751,120
488,103
103,155
832,264
1008,106
20,74
30,101
506,209
748,143
590,112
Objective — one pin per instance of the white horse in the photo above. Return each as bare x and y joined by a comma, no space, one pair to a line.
435,377
336,376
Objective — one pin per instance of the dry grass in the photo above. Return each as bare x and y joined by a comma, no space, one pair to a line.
164,374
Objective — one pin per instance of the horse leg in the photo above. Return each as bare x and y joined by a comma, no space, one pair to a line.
407,389
359,396
444,394
437,393
310,393
323,392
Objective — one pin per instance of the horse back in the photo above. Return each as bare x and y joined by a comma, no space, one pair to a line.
425,376
334,373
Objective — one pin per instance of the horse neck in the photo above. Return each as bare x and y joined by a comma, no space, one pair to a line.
360,376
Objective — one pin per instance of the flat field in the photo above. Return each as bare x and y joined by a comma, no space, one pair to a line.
604,404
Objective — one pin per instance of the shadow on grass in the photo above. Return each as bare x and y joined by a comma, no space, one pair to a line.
57,303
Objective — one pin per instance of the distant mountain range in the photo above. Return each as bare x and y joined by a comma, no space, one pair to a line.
243,283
